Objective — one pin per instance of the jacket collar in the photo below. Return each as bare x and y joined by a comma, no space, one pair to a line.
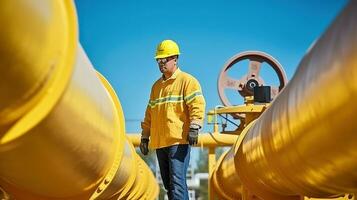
174,75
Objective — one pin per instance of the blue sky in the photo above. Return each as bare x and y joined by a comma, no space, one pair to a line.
120,38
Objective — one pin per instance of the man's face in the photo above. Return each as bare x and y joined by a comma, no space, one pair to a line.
167,65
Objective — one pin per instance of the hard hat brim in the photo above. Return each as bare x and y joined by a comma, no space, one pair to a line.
166,55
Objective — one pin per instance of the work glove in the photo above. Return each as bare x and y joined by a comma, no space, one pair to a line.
192,136
144,146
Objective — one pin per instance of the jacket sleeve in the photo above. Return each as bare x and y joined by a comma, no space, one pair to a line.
195,102
146,124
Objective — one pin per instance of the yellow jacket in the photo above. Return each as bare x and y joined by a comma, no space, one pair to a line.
174,104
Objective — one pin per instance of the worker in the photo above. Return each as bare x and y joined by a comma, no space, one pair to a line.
173,118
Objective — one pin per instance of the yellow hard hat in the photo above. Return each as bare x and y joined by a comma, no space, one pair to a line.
167,48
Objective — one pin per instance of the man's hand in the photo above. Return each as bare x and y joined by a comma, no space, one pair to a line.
144,146
192,136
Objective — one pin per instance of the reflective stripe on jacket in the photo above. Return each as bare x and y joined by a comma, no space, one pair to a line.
174,104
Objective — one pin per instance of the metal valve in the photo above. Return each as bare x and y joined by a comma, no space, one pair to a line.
245,85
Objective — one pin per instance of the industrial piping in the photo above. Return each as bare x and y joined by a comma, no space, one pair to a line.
304,144
62,133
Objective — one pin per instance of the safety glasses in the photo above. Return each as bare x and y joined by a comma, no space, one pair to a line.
164,60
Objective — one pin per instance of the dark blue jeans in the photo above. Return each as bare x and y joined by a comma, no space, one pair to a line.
173,162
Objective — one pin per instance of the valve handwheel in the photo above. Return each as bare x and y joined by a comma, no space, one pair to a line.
246,84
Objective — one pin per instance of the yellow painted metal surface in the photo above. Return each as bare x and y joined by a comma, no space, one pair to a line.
304,144
62,133
132,180
225,180
134,138
251,108
38,44
245,113
211,165
122,180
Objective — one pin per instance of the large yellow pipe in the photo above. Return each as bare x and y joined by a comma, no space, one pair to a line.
38,43
62,132
305,143
130,177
